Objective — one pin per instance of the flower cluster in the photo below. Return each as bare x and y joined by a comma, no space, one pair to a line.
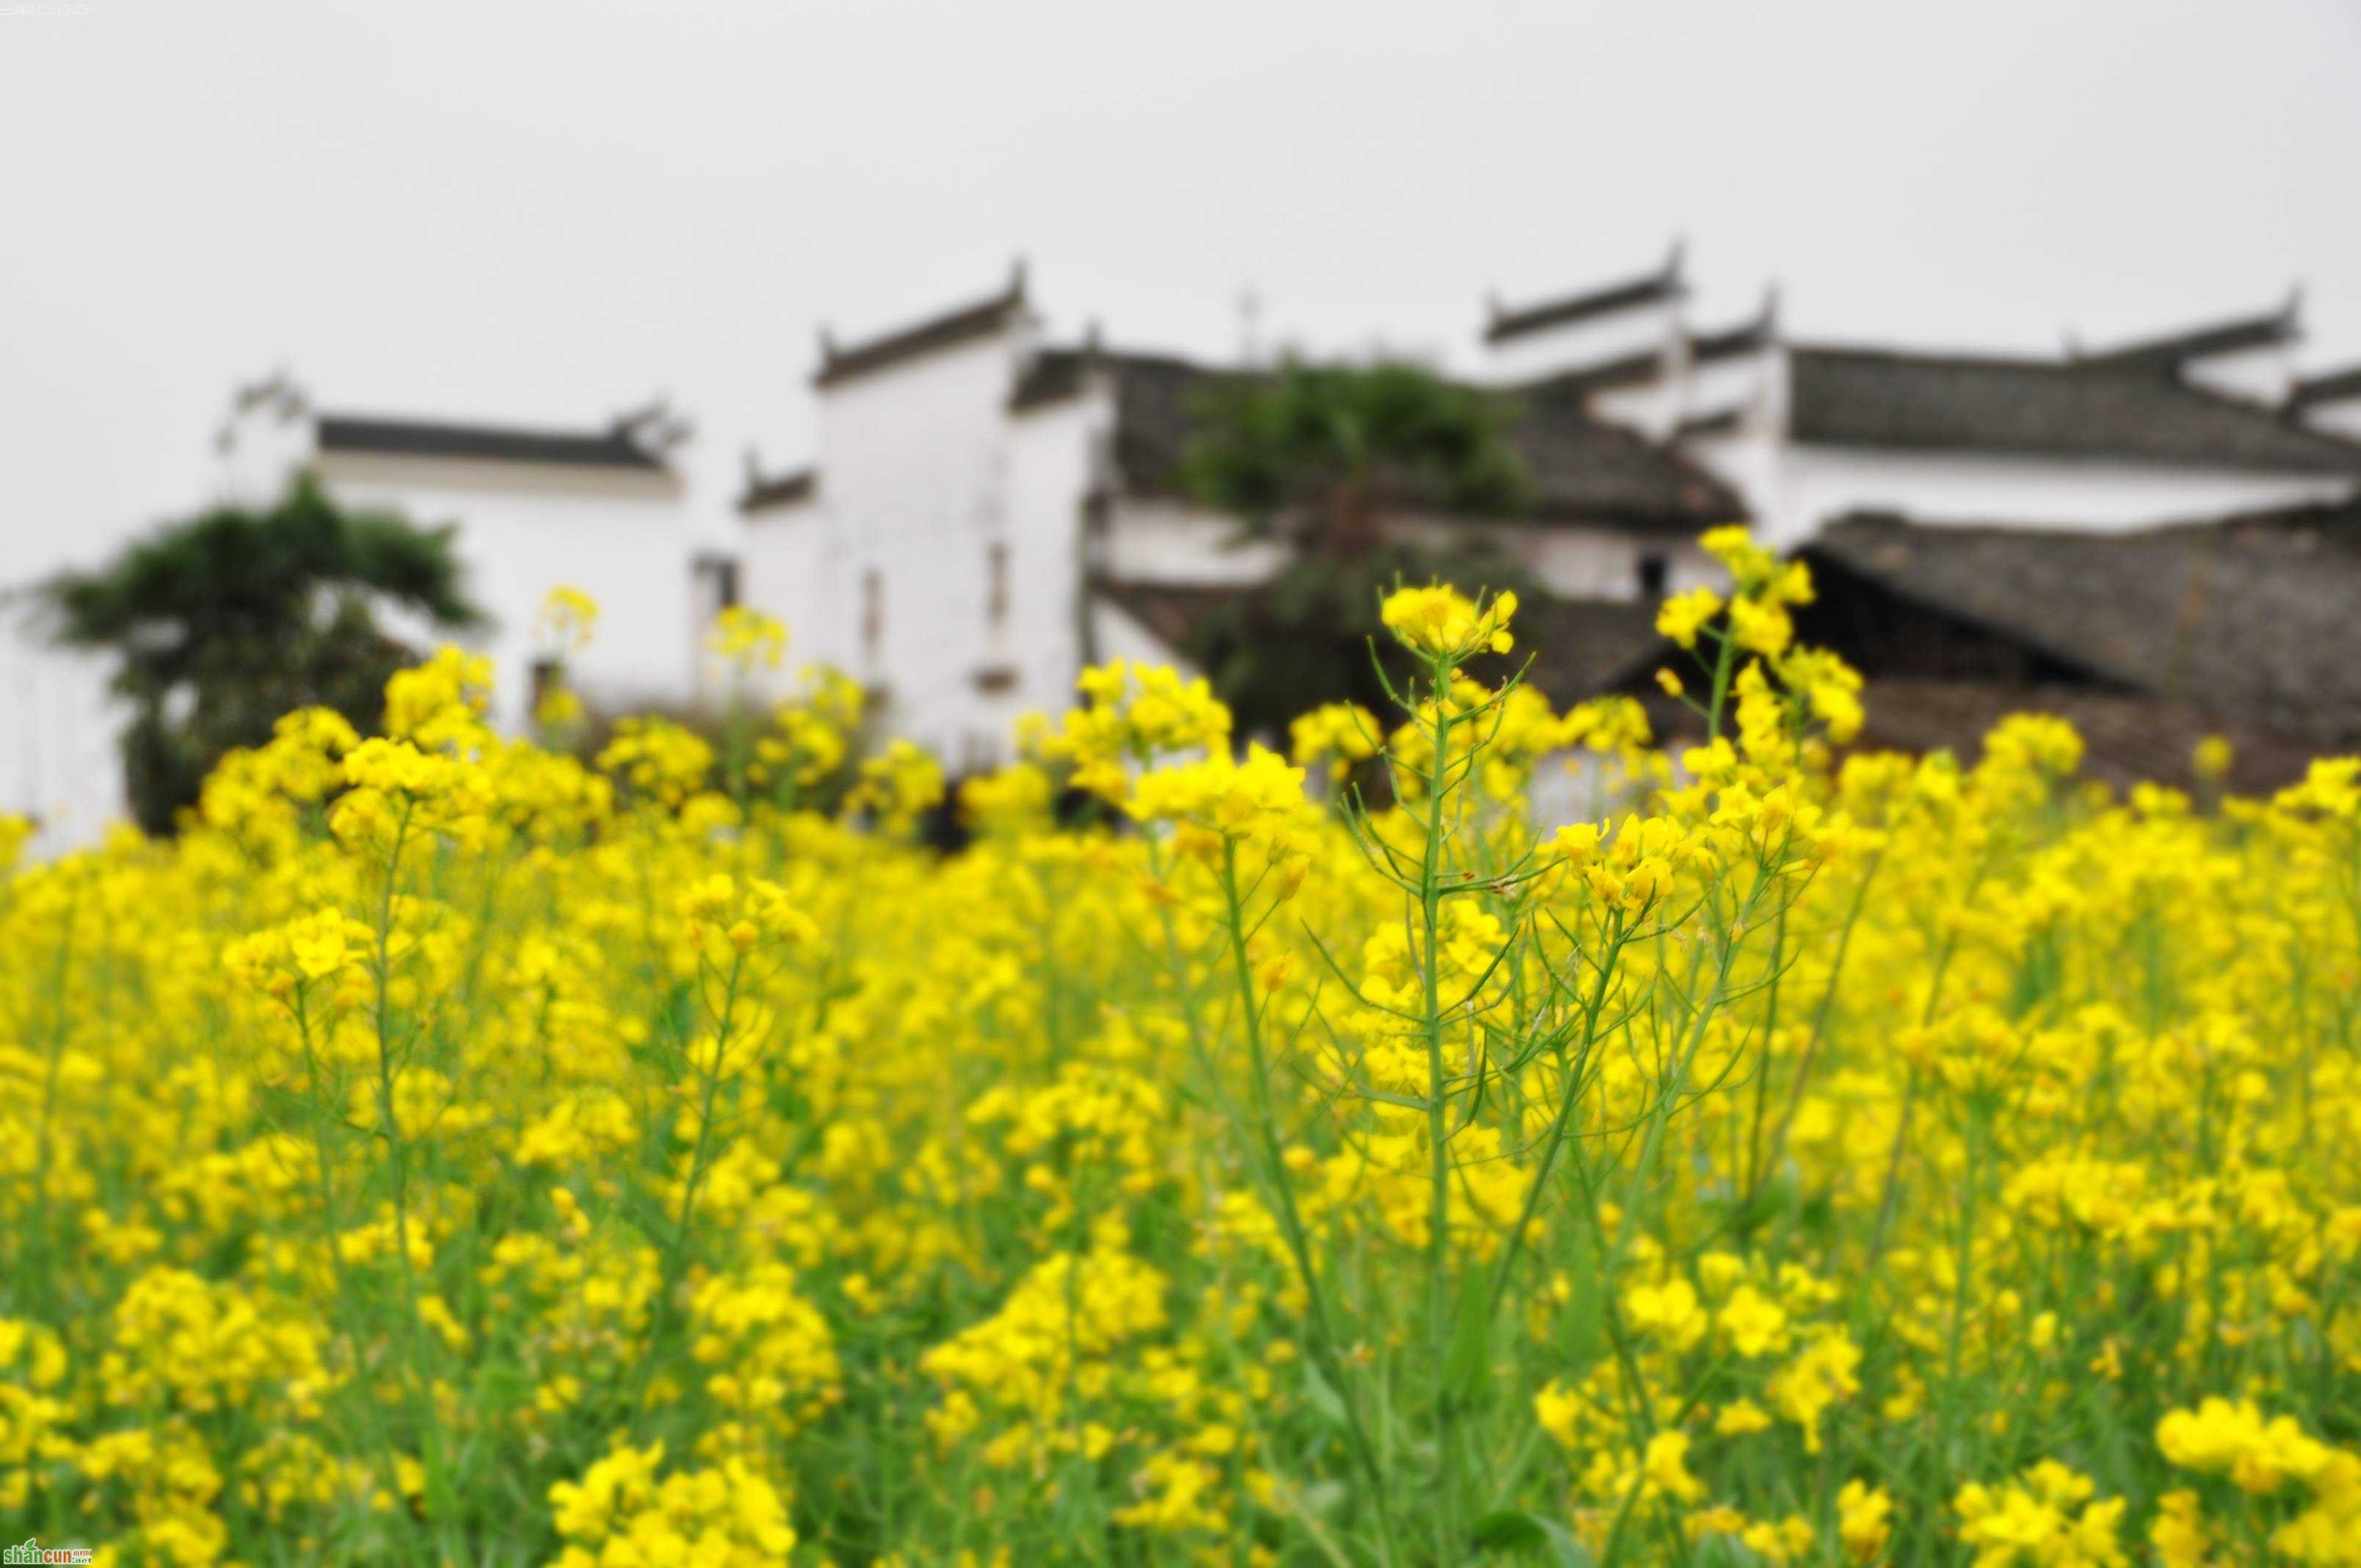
1786,1152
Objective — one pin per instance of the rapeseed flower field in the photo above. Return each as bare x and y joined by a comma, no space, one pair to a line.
447,1149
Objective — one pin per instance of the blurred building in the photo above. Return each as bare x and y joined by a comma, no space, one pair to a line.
2148,639
2158,538
2192,425
990,511
600,509
2159,541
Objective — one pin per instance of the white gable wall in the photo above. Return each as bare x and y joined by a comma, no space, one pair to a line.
915,463
1119,634
2264,374
1591,340
1824,482
795,567
622,536
61,766
1791,488
1157,539
1041,640
2340,418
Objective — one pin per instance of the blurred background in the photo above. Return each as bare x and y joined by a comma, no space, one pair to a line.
967,340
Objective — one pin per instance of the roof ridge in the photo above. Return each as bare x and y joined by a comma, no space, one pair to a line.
1665,282
2328,387
941,330
614,445
2174,349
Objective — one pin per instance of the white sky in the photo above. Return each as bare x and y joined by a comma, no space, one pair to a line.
545,211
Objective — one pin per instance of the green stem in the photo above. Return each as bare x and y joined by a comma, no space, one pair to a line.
1324,1350
1440,1335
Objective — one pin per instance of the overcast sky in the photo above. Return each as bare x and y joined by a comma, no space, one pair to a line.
545,211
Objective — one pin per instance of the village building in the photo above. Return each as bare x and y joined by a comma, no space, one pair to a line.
2195,425
602,510
988,512
2134,535
2147,639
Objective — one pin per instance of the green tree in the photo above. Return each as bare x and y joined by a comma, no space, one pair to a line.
1317,457
225,622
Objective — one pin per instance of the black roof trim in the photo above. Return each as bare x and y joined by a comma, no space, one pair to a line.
1664,283
2170,351
2332,387
763,494
1631,369
1760,332
1721,422
1053,375
611,448
980,319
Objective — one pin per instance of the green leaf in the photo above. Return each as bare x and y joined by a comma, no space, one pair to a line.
1321,1395
1585,1307
645,1215
1470,1365
1514,1530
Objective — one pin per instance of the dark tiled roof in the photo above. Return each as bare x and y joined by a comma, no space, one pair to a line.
763,494
1052,375
2173,350
611,448
1664,283
1588,470
1860,397
1705,348
2336,386
2127,737
2243,620
1583,469
1720,422
979,320
1744,338
1583,647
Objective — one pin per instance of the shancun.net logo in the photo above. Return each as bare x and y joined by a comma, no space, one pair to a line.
34,1551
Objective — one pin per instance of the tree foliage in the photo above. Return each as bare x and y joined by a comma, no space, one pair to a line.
1318,457
221,623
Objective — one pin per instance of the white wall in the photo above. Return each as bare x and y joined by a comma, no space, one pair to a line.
622,536
917,484
1592,340
2341,417
59,766
1824,482
2264,375
793,565
1791,489
1176,543
1043,638
1120,635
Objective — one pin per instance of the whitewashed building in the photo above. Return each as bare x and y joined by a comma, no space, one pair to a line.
2190,425
602,510
987,509
990,511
